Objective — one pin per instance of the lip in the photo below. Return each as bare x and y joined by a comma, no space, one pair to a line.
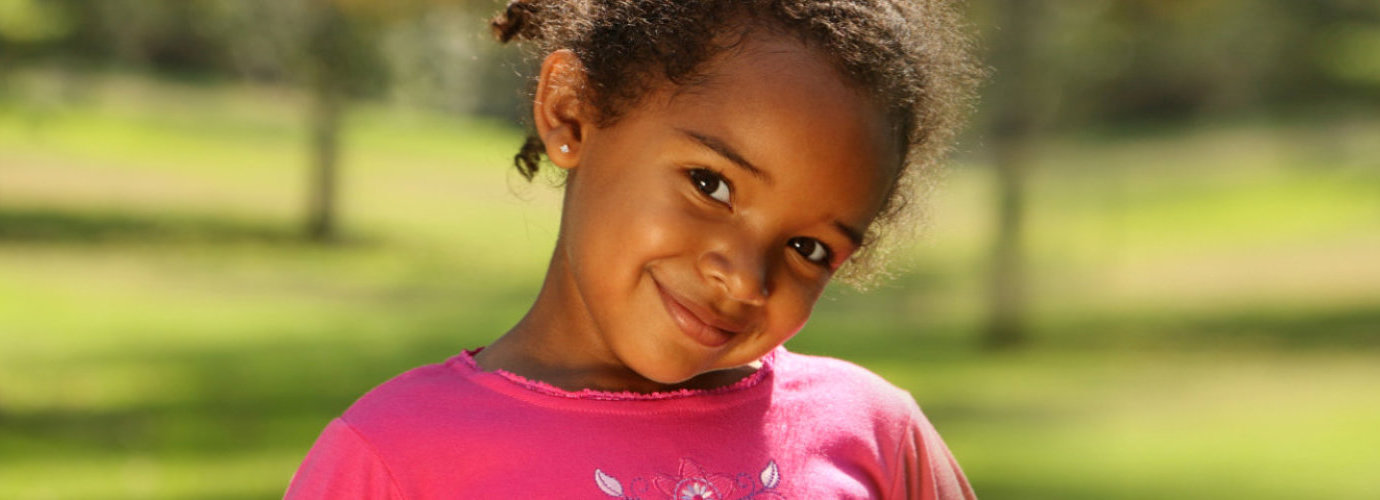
700,324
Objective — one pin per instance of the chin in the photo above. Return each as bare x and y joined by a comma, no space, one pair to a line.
667,377
668,382
669,373
664,376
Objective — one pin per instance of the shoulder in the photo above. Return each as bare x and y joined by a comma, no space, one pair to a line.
843,385
406,388
862,408
416,400
341,464
400,431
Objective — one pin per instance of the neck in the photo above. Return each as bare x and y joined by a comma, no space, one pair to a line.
556,342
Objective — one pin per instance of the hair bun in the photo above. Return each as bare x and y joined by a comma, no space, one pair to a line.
518,20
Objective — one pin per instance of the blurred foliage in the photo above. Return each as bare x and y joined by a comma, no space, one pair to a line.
1133,60
32,22
426,53
1121,60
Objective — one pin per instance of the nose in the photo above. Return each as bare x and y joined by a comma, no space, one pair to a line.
740,273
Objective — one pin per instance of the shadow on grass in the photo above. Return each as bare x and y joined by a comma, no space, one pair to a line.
65,226
1343,327
271,397
314,371
256,399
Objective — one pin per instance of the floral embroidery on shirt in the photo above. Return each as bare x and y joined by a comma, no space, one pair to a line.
692,482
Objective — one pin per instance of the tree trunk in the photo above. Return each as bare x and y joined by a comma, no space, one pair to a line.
327,58
1007,318
327,103
1017,96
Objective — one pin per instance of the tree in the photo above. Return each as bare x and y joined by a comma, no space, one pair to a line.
1016,102
326,79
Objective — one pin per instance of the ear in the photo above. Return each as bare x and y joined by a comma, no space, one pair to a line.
559,110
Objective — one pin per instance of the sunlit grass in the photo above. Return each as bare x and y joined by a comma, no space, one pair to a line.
1207,304
1164,425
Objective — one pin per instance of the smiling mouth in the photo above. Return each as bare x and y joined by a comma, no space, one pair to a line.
700,325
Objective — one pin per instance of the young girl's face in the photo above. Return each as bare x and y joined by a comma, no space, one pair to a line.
700,228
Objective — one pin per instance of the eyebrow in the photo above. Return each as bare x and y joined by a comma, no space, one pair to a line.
854,235
726,151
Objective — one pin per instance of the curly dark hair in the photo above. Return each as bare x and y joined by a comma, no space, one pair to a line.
912,56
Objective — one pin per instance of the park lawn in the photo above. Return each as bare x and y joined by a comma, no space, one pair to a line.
1206,301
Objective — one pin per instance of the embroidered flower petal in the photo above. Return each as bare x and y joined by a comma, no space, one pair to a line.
688,468
608,484
666,484
696,489
770,475
723,483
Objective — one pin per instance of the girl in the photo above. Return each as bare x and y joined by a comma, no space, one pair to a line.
723,160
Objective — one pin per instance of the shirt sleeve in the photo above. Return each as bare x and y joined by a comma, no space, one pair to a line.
929,470
342,465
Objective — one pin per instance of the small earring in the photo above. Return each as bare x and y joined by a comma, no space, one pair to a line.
565,148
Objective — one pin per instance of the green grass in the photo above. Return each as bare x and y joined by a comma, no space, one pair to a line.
1206,300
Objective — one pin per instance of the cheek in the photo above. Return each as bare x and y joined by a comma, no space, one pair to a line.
656,225
630,225
795,300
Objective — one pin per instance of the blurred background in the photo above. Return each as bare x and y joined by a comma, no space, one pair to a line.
1152,268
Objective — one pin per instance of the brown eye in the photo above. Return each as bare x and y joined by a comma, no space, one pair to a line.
711,184
812,250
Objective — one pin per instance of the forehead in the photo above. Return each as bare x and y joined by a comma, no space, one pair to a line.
787,110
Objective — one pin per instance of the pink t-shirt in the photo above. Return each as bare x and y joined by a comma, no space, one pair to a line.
802,427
